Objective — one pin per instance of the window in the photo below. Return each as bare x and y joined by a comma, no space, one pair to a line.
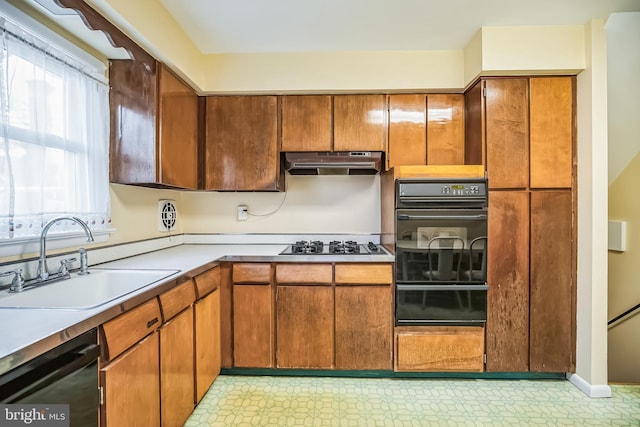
54,132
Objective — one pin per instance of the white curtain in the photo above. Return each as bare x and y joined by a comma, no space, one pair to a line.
54,137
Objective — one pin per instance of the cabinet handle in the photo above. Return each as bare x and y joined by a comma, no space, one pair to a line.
152,322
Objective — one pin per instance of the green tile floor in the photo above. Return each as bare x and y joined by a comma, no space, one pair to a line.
314,401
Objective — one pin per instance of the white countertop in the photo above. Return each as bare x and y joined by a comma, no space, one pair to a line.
27,333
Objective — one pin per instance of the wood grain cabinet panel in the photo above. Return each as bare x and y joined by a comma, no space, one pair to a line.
474,125
551,134
241,140
177,299
359,123
507,335
130,327
208,281
552,313
407,130
440,349
207,342
364,321
305,327
252,326
251,273
304,273
507,132
132,387
364,274
445,129
177,369
154,127
306,123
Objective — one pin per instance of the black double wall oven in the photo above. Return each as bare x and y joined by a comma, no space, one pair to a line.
441,251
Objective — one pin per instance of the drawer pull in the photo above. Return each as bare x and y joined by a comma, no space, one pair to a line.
152,322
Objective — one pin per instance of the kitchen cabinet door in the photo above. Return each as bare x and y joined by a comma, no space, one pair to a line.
304,327
177,132
306,123
474,125
154,127
407,130
507,132
132,387
359,123
252,326
176,369
207,342
552,312
551,140
363,327
507,329
445,129
242,152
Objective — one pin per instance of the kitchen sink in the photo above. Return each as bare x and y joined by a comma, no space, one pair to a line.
83,292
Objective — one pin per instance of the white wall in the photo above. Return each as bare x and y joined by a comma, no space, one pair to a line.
311,204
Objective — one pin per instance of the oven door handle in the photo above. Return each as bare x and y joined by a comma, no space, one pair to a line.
403,217
455,287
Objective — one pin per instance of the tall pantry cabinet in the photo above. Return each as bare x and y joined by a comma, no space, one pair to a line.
522,129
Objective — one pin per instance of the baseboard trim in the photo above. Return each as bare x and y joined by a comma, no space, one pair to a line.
594,391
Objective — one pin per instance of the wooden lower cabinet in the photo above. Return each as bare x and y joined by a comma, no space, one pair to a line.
177,369
132,387
440,349
363,327
552,303
252,326
207,342
508,278
304,327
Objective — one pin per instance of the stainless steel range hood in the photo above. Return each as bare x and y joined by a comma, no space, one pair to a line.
333,163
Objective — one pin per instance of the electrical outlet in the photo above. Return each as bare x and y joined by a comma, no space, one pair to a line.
243,212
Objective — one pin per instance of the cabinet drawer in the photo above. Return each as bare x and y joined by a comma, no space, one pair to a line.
364,274
251,273
304,273
177,299
130,327
207,282
440,349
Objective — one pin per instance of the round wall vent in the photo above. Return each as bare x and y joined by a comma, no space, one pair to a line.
167,215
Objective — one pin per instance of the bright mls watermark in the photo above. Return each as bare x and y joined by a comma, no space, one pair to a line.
21,414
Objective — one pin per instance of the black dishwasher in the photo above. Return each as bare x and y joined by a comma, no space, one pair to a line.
67,374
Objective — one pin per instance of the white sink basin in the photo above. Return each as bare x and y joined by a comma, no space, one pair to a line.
84,292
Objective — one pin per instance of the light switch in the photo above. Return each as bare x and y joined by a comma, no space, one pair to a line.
618,236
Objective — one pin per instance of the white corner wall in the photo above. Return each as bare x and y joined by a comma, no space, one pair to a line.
591,334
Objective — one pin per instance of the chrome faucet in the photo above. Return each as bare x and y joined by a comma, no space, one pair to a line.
43,270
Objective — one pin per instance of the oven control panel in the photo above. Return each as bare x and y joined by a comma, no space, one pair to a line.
460,189
414,188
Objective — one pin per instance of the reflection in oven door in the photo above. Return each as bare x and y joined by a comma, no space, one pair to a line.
441,246
446,304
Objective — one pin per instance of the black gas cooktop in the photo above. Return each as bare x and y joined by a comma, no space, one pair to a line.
349,247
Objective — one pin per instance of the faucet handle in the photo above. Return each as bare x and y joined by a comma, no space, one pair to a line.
18,280
64,265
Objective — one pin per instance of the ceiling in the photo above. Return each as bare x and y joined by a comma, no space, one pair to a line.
242,26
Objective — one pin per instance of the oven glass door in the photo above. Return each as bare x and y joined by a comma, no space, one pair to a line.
441,246
441,305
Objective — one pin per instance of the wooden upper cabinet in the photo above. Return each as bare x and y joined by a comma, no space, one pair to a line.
474,126
154,126
242,144
507,132
177,132
306,123
551,132
407,130
445,129
359,123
